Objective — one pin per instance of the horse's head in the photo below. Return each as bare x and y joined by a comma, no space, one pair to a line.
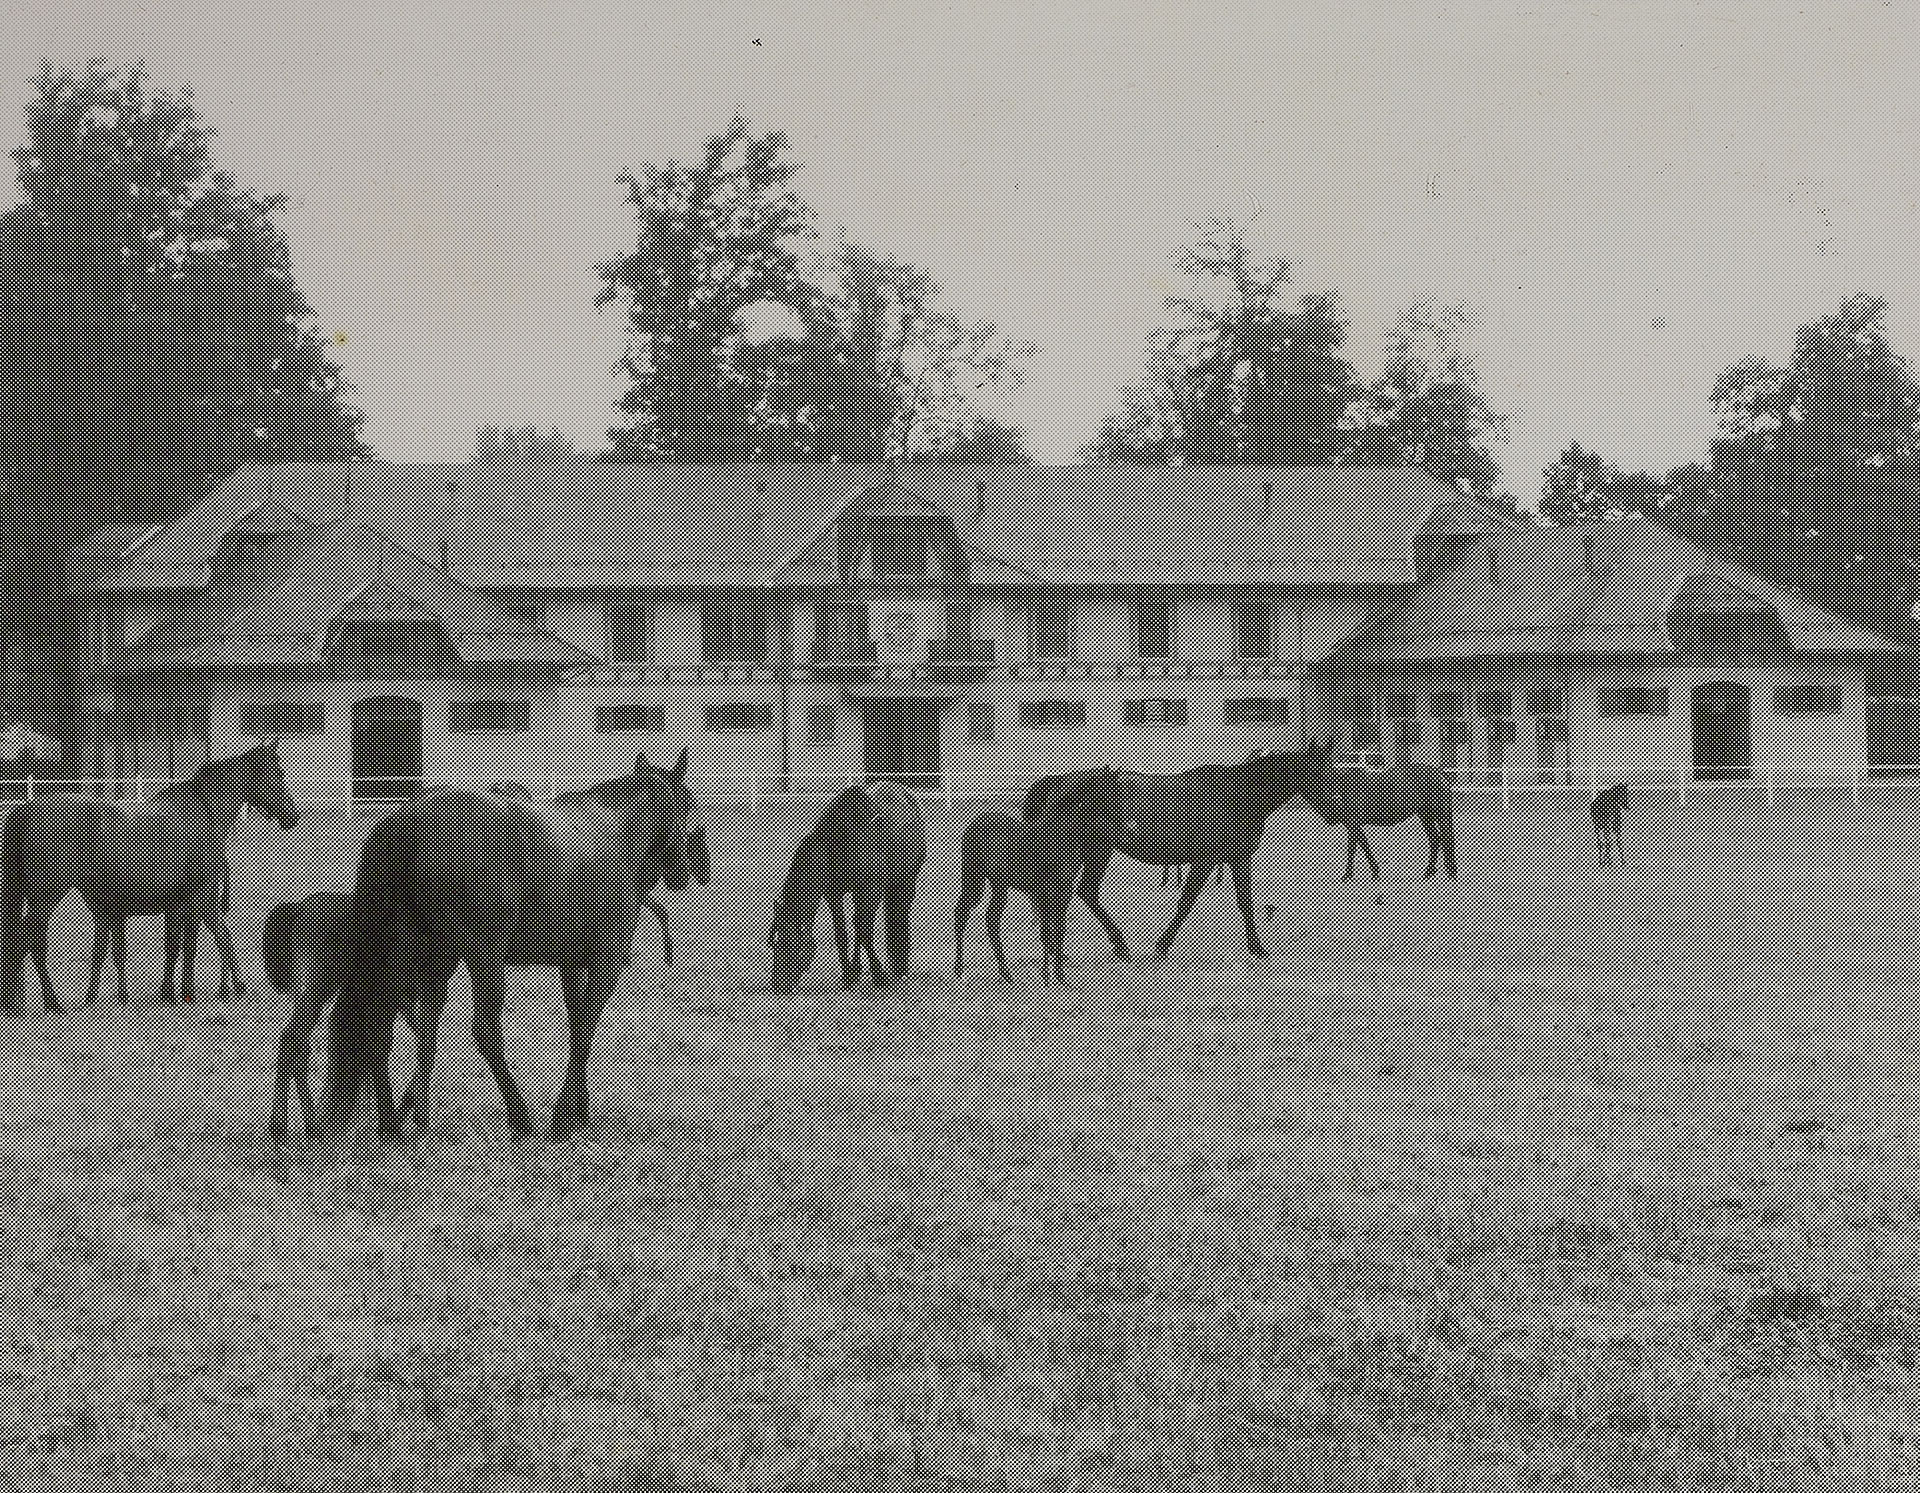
679,845
791,939
260,782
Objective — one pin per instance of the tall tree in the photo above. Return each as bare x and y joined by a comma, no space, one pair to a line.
898,372
716,239
1241,377
152,337
1428,409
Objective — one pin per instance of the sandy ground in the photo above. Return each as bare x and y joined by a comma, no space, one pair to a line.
1685,1083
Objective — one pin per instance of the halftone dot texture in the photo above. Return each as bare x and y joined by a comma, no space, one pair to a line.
1277,1221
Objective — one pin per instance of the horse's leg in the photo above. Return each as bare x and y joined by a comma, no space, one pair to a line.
426,1000
836,908
216,921
1353,851
1446,844
660,917
963,912
1243,892
37,936
866,911
1197,875
996,907
489,1000
99,959
897,902
586,992
120,960
290,1072
1096,873
1366,848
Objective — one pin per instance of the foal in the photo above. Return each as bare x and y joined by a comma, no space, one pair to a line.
999,851
1609,808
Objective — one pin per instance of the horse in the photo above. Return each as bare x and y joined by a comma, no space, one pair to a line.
866,848
1199,818
302,950
168,855
463,877
999,851
1357,795
1609,809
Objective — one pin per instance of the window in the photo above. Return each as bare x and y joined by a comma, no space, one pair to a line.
1052,633
631,716
1153,625
979,715
1633,699
490,713
1156,712
901,552
1893,735
277,717
1252,625
1255,710
626,615
1446,705
1052,715
1821,698
737,715
734,627
1494,704
1547,699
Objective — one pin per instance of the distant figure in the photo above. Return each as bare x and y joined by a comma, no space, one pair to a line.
1609,807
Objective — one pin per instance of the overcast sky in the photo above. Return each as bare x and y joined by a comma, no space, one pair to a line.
1630,196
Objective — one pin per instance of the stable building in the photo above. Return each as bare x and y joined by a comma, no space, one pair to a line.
1609,650
535,623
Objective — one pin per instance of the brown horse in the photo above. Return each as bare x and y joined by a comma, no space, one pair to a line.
866,849
460,877
1200,818
1359,794
166,856
1000,851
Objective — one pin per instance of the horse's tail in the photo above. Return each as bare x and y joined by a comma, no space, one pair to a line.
13,904
375,929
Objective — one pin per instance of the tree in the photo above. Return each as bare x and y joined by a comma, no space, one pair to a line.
985,440
152,337
1241,378
1576,485
715,240
1427,409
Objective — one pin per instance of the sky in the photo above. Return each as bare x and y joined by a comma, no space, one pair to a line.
1628,196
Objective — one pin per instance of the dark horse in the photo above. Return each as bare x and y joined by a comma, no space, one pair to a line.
1000,851
1200,818
1609,808
866,848
1357,795
167,856
493,882
302,954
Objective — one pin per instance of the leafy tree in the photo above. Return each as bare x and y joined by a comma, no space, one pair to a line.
1577,484
985,440
1427,409
715,240
1242,377
152,338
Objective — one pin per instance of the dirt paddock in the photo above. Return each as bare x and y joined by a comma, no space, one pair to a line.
1555,1177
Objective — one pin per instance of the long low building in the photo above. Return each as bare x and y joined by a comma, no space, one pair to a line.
535,623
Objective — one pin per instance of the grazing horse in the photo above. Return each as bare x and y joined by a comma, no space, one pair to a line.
1000,851
168,855
1200,818
461,877
1609,808
866,848
1356,795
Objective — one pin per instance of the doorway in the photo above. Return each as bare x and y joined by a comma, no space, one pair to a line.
900,740
388,752
1722,730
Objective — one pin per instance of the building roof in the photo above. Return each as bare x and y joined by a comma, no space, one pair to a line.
293,618
1600,587
582,523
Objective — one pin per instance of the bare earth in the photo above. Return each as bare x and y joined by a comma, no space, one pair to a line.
1559,1177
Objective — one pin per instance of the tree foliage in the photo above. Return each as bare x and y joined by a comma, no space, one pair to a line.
1428,409
855,357
1812,477
152,336
1242,377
